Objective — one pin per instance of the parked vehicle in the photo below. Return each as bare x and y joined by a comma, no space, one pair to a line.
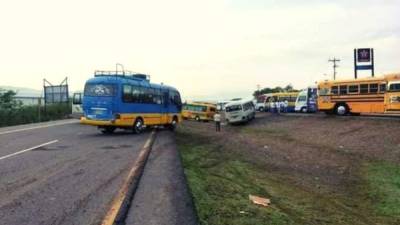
273,100
77,110
260,103
199,111
239,111
307,100
368,95
129,101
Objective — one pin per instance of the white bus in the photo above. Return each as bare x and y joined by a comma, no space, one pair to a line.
239,111
77,111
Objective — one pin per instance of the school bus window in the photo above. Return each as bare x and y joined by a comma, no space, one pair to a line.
363,88
394,87
324,91
343,89
353,89
334,90
373,88
382,88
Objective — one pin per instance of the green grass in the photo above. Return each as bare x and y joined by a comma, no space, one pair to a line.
221,180
384,188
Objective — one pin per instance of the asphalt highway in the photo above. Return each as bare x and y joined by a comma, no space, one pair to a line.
62,172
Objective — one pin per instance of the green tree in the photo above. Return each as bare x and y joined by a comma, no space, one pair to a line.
7,100
267,90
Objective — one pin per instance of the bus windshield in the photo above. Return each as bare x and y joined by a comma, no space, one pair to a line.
394,87
100,90
233,108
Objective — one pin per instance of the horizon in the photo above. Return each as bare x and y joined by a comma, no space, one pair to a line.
210,50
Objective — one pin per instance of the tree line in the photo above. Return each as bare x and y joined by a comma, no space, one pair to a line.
277,89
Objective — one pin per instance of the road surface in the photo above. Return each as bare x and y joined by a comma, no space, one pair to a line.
63,172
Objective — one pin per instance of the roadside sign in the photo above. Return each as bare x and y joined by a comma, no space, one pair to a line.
364,55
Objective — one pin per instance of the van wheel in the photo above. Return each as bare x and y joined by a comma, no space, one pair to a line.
108,130
197,118
138,126
304,110
261,109
342,110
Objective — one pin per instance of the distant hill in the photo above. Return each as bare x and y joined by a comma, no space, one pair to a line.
23,92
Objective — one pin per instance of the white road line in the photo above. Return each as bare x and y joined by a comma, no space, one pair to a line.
27,150
36,127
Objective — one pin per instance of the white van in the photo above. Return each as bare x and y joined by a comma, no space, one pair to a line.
239,111
77,110
306,100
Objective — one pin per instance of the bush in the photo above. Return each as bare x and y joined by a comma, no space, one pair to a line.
30,114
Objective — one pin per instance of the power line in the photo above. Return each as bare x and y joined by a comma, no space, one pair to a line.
334,61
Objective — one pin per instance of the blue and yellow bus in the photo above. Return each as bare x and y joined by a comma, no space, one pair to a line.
125,100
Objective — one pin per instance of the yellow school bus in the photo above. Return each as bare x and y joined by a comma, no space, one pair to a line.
367,95
290,97
199,111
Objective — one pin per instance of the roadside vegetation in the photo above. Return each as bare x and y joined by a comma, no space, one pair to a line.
12,112
308,178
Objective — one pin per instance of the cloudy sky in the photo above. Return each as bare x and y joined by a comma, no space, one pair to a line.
208,49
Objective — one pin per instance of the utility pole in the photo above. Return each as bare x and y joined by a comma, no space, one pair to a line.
334,61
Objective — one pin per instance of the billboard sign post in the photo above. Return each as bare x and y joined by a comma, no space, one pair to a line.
55,93
364,60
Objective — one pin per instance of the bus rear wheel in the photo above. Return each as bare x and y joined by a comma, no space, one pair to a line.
341,110
108,130
138,126
197,118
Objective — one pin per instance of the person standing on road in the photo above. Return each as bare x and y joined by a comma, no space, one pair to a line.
217,120
285,105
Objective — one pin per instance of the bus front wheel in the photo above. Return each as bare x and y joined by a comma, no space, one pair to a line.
304,110
107,130
173,124
197,118
341,110
138,126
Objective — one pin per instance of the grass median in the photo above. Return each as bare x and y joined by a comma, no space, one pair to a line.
221,176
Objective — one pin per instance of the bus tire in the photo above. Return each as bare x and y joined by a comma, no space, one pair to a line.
138,126
197,118
261,109
108,130
341,109
173,124
304,110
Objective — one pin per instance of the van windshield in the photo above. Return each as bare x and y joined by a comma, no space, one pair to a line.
100,90
233,108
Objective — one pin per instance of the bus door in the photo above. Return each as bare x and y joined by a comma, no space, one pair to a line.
312,99
165,107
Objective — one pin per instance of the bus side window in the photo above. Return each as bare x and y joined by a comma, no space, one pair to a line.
343,89
382,88
135,94
363,88
353,89
373,88
127,93
334,90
